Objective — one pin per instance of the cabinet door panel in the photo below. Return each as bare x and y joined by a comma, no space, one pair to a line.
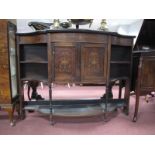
64,62
93,63
148,73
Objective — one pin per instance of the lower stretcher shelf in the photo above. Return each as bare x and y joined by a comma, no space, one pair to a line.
75,108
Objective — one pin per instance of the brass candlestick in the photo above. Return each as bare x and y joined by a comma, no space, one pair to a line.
103,25
56,23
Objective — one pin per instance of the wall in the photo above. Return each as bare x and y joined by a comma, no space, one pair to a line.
134,28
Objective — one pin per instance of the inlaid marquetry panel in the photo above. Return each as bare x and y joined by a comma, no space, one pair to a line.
64,63
93,63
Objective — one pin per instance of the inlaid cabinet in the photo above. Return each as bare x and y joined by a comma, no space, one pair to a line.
144,76
75,56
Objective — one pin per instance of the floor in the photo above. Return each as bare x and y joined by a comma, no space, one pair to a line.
118,123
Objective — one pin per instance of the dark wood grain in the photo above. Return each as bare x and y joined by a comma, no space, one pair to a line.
145,78
121,41
42,38
87,57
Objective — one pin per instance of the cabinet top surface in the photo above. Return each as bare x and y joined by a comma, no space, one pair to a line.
75,31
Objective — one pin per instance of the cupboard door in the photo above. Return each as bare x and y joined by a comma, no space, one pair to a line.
148,73
64,62
93,63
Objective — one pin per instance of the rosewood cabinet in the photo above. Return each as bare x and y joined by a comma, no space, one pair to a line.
8,68
144,76
75,56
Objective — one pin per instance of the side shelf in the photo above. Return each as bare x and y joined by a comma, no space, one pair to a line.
33,62
120,62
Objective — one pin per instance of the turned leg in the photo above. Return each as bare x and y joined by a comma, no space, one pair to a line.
138,90
109,91
52,122
17,107
108,95
21,111
126,96
120,92
21,101
22,115
120,89
136,107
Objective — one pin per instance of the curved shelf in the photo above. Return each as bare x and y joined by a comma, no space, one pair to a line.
75,108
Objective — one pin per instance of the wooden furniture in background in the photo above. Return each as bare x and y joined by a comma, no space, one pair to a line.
145,83
8,68
143,70
75,56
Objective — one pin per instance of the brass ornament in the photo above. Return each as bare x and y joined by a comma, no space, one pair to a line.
103,25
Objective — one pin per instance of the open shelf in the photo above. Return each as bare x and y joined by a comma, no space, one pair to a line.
120,62
119,70
33,52
120,53
34,62
34,71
